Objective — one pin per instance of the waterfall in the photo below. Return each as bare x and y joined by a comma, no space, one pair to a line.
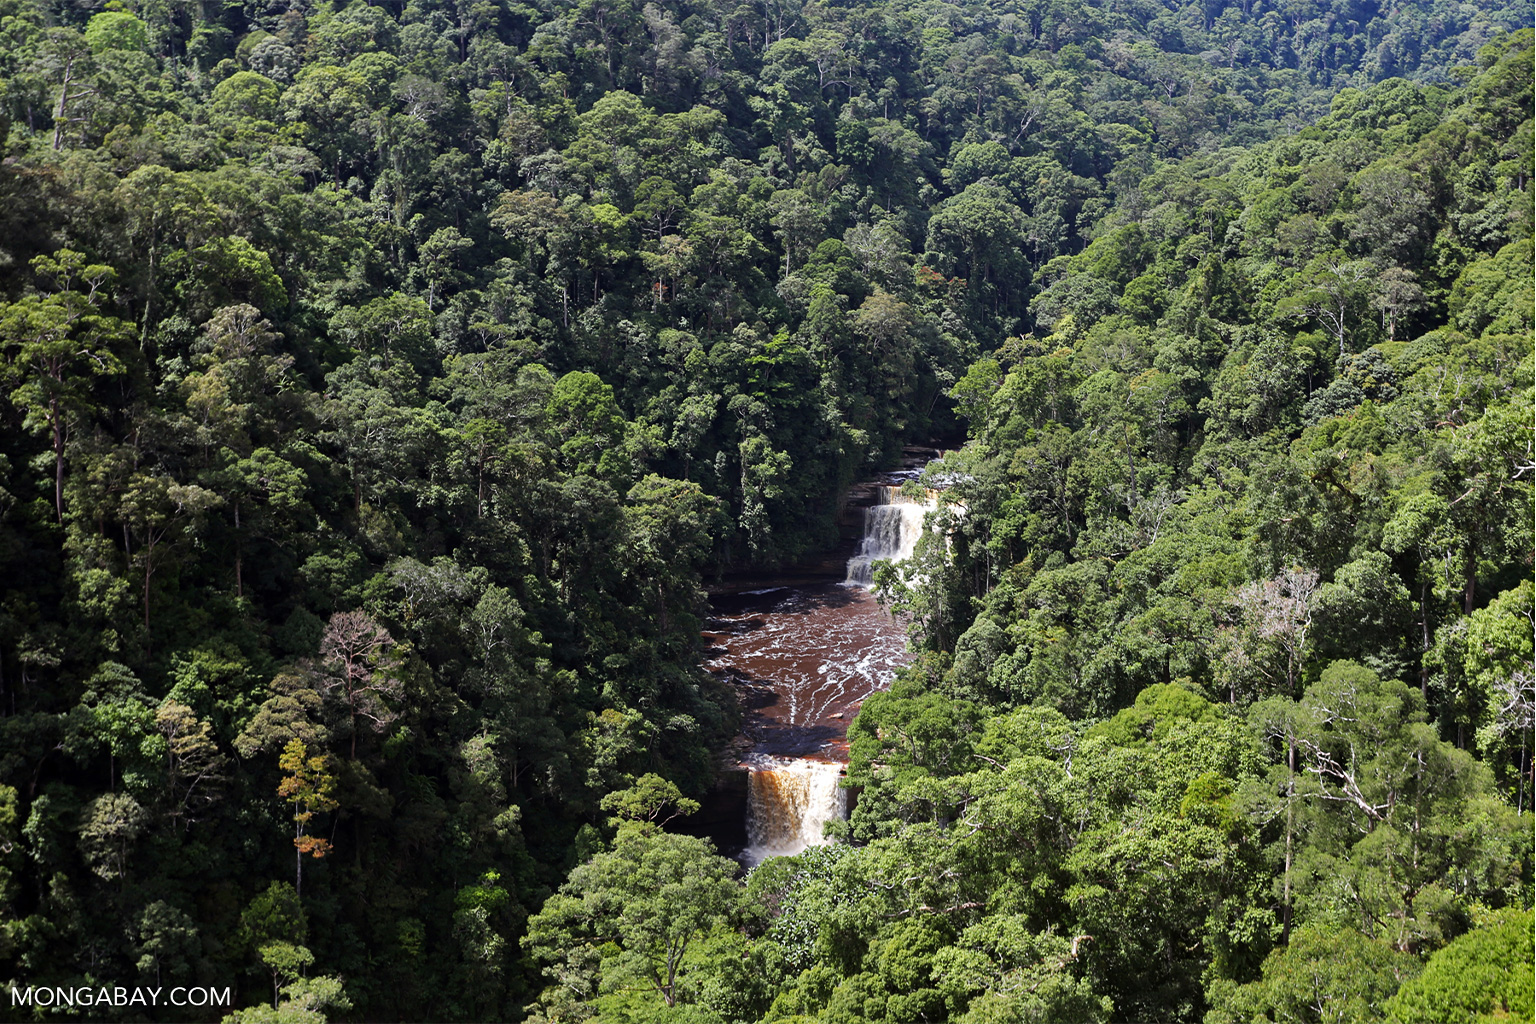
788,802
891,530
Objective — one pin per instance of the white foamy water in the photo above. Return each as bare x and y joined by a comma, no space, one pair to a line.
891,532
789,800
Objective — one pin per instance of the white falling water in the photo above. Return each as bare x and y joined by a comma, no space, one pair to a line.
891,532
788,802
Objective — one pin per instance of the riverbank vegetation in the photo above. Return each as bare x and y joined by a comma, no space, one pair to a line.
383,383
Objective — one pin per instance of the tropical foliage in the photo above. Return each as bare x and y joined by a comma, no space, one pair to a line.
383,383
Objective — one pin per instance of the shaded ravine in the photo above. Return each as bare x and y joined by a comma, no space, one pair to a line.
803,656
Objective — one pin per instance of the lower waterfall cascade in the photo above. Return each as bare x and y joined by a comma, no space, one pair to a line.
789,801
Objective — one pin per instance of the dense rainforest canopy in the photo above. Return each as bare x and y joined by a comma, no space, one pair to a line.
382,383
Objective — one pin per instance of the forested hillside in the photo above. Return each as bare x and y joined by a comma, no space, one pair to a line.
1227,674
382,384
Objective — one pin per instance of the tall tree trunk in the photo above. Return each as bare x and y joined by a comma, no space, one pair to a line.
1469,593
61,112
149,571
1290,829
1424,637
239,556
56,418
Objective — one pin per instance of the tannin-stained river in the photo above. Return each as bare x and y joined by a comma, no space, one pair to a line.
803,656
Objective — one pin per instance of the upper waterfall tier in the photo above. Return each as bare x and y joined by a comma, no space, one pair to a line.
891,532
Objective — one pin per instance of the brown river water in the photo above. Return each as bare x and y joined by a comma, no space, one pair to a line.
803,658
803,655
